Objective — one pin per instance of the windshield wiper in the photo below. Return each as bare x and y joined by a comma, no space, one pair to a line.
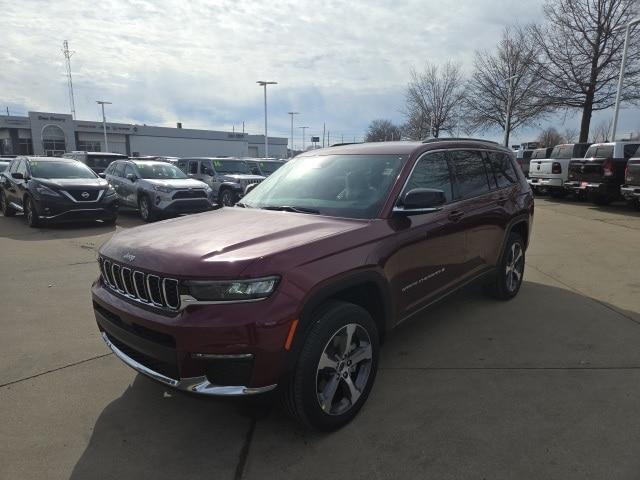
289,208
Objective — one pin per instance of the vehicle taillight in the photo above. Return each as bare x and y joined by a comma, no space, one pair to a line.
556,167
607,168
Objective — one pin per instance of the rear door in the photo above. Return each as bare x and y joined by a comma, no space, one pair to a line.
480,210
430,254
129,188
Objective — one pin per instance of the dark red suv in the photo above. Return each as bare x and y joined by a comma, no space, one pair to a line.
297,285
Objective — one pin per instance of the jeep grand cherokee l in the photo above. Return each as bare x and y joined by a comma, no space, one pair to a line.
50,189
296,287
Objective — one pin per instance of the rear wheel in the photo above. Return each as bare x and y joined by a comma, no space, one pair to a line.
336,368
30,213
146,211
508,279
7,210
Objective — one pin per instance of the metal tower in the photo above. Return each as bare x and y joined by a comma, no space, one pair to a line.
67,56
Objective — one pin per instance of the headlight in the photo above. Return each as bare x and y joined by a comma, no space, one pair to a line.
162,188
208,190
44,190
110,191
232,290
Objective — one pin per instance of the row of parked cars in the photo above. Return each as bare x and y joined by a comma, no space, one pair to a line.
95,185
600,172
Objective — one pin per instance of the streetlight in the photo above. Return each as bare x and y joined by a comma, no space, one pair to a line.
304,129
507,123
266,141
621,78
292,114
104,123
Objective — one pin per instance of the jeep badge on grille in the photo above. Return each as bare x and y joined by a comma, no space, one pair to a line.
129,257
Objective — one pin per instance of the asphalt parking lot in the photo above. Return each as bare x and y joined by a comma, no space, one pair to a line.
544,386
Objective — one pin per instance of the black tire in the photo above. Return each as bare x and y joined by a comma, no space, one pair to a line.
602,199
505,284
110,221
30,213
7,210
299,393
227,197
145,207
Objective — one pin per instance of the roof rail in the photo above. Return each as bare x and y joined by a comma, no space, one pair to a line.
345,143
455,139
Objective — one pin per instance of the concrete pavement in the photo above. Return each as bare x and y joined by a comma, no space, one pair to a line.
544,386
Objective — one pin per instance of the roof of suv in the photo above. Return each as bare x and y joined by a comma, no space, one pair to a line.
46,159
403,147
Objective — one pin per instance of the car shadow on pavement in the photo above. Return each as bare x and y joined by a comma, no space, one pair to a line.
458,387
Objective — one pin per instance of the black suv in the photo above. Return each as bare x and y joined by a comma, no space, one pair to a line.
48,189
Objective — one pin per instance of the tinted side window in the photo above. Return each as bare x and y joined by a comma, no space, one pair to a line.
22,168
129,170
432,171
193,167
470,174
630,149
502,168
118,171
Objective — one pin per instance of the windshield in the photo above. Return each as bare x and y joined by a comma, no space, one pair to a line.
159,171
231,166
102,161
352,186
269,167
52,169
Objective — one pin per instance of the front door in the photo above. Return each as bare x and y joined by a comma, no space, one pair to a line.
430,253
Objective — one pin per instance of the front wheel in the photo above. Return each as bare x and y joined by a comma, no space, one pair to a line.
336,367
226,197
146,212
508,279
30,213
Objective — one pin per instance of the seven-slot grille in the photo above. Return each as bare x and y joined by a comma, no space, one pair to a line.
143,287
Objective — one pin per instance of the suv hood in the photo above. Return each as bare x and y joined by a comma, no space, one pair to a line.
177,183
221,243
73,182
238,177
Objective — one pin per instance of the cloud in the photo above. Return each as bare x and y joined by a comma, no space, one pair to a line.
161,61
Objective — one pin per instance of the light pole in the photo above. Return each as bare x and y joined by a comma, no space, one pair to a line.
266,141
104,123
292,114
507,123
304,144
621,77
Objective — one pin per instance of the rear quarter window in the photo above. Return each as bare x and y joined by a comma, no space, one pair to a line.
502,168
631,150
470,173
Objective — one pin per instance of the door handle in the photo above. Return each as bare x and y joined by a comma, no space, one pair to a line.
455,215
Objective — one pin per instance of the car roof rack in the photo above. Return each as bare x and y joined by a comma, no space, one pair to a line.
345,143
456,139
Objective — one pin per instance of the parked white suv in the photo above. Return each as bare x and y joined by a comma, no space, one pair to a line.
551,174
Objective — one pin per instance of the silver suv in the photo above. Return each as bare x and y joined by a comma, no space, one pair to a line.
228,177
157,188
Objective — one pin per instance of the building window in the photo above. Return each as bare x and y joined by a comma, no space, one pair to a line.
25,147
53,140
88,146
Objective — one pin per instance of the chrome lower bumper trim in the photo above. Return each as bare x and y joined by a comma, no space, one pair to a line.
198,385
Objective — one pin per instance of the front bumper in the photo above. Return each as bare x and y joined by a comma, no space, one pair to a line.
630,191
593,187
185,205
63,210
537,182
232,349
199,385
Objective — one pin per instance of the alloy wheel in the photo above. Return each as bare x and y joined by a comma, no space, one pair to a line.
28,211
343,369
144,208
226,198
515,267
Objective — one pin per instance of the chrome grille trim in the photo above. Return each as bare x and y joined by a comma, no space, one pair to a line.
164,295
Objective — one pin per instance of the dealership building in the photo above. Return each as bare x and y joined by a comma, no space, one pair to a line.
52,134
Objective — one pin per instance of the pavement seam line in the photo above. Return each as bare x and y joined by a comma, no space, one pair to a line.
599,302
244,451
508,368
13,382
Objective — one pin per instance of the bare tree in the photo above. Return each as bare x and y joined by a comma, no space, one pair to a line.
581,51
570,134
550,137
601,131
433,100
382,130
505,90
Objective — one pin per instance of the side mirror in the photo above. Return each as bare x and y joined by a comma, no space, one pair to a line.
17,175
102,175
421,200
132,177
250,187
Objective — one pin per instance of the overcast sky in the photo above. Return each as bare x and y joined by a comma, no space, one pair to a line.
160,62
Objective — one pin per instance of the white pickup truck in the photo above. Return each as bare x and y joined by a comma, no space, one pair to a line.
550,174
